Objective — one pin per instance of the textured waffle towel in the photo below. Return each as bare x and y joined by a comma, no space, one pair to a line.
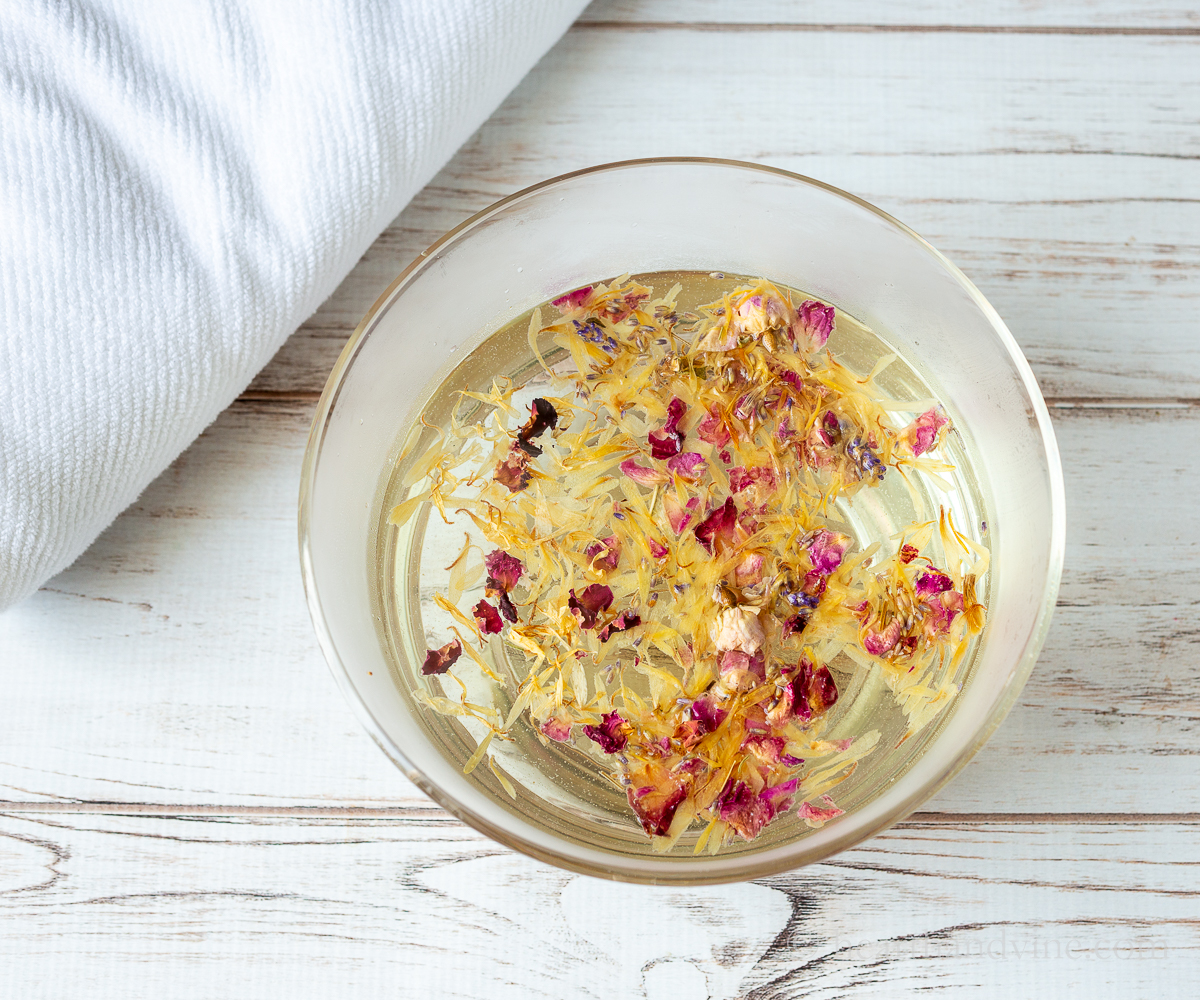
181,184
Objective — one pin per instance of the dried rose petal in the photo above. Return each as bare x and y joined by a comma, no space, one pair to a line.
642,475
712,429
814,324
610,734
654,795
737,628
779,710
622,623
741,478
816,816
933,582
813,689
605,554
719,528
666,442
542,417
751,316
943,610
746,812
690,464
504,571
487,618
438,661
573,300
594,599
707,713
513,470
908,553
657,549
749,571
557,727
796,624
765,748
742,672
924,433
878,643
826,550
679,517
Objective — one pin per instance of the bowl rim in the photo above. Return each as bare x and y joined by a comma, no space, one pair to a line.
687,874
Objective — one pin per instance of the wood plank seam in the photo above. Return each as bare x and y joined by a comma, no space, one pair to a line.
967,29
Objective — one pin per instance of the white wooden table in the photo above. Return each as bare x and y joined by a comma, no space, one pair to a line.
191,810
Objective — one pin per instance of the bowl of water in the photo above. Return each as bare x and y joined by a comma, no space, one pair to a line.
469,341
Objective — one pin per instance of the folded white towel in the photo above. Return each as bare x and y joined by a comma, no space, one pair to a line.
181,184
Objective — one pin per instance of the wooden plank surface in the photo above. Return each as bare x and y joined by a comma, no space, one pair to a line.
1023,14
1062,173
175,663
199,907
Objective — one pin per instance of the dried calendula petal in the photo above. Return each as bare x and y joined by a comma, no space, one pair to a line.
671,560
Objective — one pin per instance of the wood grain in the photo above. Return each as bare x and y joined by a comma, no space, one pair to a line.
175,663
1062,173
192,907
1084,15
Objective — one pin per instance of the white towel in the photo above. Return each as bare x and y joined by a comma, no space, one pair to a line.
181,184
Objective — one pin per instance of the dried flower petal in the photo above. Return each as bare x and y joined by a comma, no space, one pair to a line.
622,623
542,417
487,618
943,610
878,643
690,464
557,727
513,469
712,429
925,433
610,734
741,478
655,795
737,628
933,582
594,599
679,517
908,553
503,570
814,324
827,550
817,816
707,713
438,661
813,689
606,554
574,300
749,571
742,672
718,530
641,474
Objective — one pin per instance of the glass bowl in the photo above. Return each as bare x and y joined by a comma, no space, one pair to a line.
644,216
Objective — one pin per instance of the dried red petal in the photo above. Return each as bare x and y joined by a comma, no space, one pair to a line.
814,324
742,478
641,474
712,428
933,582
610,734
504,571
557,728
622,623
513,470
588,605
923,434
573,300
487,618
654,795
818,815
813,689
706,712
877,643
719,529
542,417
690,464
438,661
943,610
827,549
908,553
605,554
679,517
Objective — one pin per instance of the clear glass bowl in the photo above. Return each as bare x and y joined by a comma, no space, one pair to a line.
661,215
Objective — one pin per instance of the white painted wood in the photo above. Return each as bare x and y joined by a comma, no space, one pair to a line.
1061,172
1019,13
175,663
200,907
